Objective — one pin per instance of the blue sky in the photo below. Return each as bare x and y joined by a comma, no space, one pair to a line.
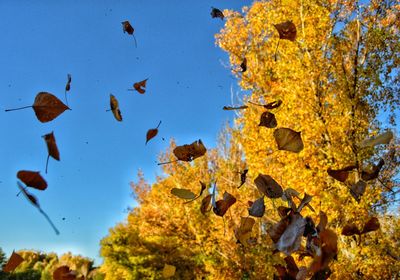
44,41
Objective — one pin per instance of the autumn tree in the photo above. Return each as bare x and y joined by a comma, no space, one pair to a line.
333,67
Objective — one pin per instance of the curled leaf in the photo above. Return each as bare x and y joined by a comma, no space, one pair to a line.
371,225
51,147
67,86
341,174
13,262
115,108
32,179
358,189
290,240
139,86
367,176
190,152
287,30
221,206
243,233
183,193
268,120
205,203
273,104
283,211
243,65
228,108
216,13
243,176
383,138
350,229
127,27
151,133
276,231
306,199
288,139
257,209
268,186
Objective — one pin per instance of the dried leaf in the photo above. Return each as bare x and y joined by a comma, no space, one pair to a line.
323,221
291,238
268,186
273,104
63,273
205,203
127,27
190,152
257,209
47,107
328,251
341,174
268,120
350,229
32,179
13,262
115,108
291,266
283,211
288,139
139,86
243,176
68,85
168,271
383,138
276,231
183,193
367,176
243,233
306,199
224,204
52,146
228,108
216,13
243,65
371,225
358,189
287,30
151,133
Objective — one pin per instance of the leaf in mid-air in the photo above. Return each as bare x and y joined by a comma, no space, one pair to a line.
13,262
114,106
268,120
257,209
288,140
151,133
32,179
268,186
216,13
224,204
51,147
287,30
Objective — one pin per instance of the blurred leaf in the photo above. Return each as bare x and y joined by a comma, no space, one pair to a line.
32,179
13,262
268,186
288,140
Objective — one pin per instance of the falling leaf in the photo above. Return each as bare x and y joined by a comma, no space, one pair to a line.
283,211
32,179
291,238
306,199
228,108
286,30
288,139
205,203
323,221
190,152
371,225
216,13
341,174
151,133
268,120
13,262
35,203
257,209
224,204
127,27
203,187
276,231
383,138
115,108
350,229
67,87
47,107
367,176
243,176
63,273
183,193
327,252
243,65
51,147
168,271
358,189
139,86
291,266
268,186
273,104
243,233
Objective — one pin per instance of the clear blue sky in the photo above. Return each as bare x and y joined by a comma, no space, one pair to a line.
43,41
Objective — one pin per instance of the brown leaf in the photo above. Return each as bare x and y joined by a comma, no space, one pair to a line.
115,108
350,229
383,138
329,249
291,266
216,13
32,179
243,65
367,176
257,209
51,145
204,208
168,271
371,225
13,262
290,240
288,139
323,221
283,211
287,30
183,193
268,120
228,108
276,231
127,27
243,233
151,133
139,86
190,152
358,189
224,204
243,176
341,174
273,104
306,199
63,273
47,107
268,186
